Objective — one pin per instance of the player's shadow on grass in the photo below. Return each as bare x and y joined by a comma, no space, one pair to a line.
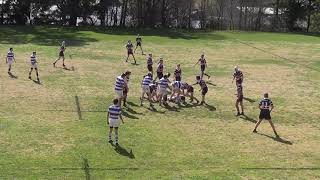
122,151
278,139
132,104
12,76
130,116
37,82
210,83
153,109
249,100
209,107
130,110
247,118
171,108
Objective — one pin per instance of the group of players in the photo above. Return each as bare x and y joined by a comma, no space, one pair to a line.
157,89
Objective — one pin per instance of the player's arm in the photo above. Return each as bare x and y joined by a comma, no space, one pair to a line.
121,118
271,107
196,63
108,117
6,59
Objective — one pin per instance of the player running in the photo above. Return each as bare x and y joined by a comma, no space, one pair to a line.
114,113
34,65
145,88
119,87
61,54
178,73
163,85
126,87
10,59
204,88
139,43
129,47
160,69
187,91
238,75
239,100
203,66
150,63
266,106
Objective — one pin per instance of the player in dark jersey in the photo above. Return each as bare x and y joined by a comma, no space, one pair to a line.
188,90
203,65
126,87
238,76
178,73
129,47
150,63
160,69
153,92
204,88
139,44
239,100
265,106
61,54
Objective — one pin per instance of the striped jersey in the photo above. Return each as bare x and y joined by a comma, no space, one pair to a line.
33,59
129,46
177,84
138,39
239,90
202,84
238,75
160,68
146,81
265,103
202,61
163,83
119,84
149,61
62,48
177,72
10,55
114,112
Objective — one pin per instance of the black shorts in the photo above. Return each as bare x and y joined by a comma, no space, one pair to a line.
130,52
203,68
190,89
138,43
125,91
265,114
160,75
239,81
178,78
204,91
61,54
150,69
240,98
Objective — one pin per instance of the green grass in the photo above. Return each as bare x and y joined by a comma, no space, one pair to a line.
42,137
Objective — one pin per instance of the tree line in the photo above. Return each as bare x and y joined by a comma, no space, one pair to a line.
251,15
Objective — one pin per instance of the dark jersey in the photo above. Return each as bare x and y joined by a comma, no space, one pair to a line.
129,46
149,61
203,61
239,91
138,40
202,84
265,104
153,88
238,75
177,72
160,68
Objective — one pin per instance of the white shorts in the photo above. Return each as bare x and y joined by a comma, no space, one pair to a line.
35,66
162,92
119,93
10,62
114,122
145,89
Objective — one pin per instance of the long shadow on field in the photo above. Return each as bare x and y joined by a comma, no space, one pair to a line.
249,100
12,76
153,109
278,139
132,104
210,107
247,118
171,108
122,151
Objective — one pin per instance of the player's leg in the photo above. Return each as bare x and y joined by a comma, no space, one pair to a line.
273,128
134,59
206,75
124,99
54,63
37,74
237,107
241,105
142,96
9,67
30,73
110,133
141,49
63,61
257,125
116,135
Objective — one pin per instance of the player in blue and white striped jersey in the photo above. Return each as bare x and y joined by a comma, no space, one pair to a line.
145,89
266,106
113,116
163,84
119,87
34,65
10,59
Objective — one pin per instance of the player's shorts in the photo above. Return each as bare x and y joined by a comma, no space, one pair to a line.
160,75
130,51
204,91
162,92
145,89
239,81
265,114
34,66
119,93
61,54
190,89
10,62
178,78
150,69
138,43
125,91
203,68
114,122
240,98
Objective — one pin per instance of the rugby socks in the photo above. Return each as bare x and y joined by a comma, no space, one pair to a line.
116,137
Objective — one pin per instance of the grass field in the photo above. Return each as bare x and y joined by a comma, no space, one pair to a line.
41,135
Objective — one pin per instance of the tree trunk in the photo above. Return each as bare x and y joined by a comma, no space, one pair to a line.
163,13
240,15
115,18
309,15
189,14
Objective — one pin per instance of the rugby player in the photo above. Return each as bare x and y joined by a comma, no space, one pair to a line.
203,66
162,94
150,63
129,47
239,100
139,44
145,88
119,87
266,107
10,59
126,87
238,76
204,88
34,65
187,90
61,54
178,73
160,69
114,113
